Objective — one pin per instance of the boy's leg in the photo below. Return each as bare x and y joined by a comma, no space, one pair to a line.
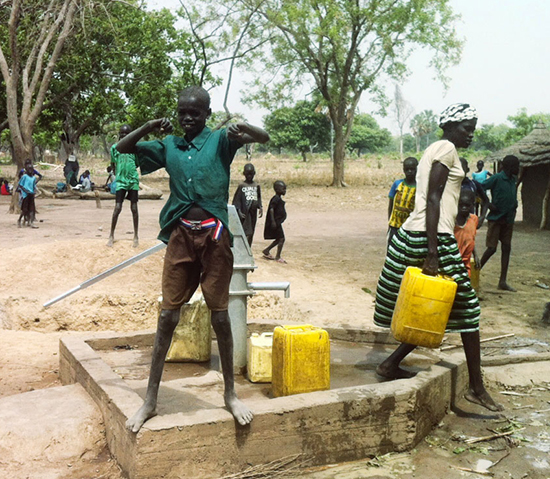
135,216
120,194
222,328
280,244
504,263
168,320
32,212
506,242
477,392
390,368
217,268
493,232
270,247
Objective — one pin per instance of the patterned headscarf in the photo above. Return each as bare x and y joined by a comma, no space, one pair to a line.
456,113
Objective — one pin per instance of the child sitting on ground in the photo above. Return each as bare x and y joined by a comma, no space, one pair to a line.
248,201
110,185
276,215
5,188
466,228
402,194
85,185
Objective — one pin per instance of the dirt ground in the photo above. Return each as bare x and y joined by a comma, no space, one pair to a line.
335,249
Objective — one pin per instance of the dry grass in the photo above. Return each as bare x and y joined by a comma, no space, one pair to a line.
368,170
365,171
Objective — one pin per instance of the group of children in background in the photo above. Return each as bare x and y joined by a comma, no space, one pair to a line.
472,197
248,203
247,200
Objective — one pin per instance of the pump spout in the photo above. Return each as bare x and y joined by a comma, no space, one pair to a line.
271,286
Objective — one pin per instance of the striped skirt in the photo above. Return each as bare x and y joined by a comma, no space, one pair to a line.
410,248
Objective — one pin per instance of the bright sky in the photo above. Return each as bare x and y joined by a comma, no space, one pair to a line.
505,65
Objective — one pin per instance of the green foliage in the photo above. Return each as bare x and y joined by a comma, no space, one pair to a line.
300,128
124,65
345,48
524,124
367,136
409,144
491,137
424,127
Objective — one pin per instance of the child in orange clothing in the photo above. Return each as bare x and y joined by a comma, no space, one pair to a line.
466,228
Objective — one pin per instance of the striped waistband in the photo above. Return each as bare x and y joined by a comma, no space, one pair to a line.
198,225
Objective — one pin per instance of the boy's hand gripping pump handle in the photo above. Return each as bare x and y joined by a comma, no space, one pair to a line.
109,272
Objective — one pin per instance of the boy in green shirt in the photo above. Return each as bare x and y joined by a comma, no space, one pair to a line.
127,185
502,215
194,224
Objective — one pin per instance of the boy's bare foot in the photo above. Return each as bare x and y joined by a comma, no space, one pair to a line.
506,287
483,399
144,413
240,411
280,260
267,256
34,226
110,242
136,242
394,373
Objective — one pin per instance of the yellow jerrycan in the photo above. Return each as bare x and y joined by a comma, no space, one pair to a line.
259,352
475,274
301,360
422,309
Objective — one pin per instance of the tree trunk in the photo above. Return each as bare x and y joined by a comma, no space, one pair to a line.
304,158
339,157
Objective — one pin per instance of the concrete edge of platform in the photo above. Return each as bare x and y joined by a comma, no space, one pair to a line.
323,427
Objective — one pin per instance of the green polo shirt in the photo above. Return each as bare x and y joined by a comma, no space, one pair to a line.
199,174
127,177
503,196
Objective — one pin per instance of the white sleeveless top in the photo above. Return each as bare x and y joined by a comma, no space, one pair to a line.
444,152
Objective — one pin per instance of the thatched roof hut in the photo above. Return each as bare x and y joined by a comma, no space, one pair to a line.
533,152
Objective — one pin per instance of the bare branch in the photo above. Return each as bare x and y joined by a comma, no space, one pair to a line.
68,17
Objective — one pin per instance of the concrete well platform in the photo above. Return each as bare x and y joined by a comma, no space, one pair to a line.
194,436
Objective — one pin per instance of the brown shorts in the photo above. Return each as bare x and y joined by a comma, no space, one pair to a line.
194,257
497,231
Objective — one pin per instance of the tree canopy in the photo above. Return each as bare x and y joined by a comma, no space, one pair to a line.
423,127
347,47
367,136
301,127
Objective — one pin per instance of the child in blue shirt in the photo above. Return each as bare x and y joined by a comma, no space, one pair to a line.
27,188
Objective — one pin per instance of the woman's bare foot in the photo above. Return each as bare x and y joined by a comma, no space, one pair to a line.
394,372
240,411
506,287
136,242
144,413
110,242
483,399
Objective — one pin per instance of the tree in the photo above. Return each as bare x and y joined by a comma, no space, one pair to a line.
301,128
344,47
34,34
491,137
366,135
402,110
424,125
125,67
524,124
